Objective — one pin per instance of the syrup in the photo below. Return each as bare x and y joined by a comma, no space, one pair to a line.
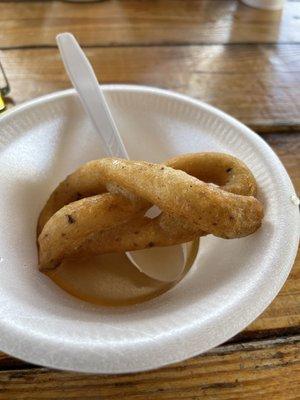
112,280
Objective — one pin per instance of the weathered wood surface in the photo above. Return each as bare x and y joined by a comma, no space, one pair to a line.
242,60
135,22
260,85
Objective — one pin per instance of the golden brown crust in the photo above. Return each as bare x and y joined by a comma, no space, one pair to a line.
114,222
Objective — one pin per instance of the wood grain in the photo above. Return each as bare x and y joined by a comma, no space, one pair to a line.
267,370
242,60
260,85
136,22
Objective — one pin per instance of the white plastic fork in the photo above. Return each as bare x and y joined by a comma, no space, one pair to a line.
92,98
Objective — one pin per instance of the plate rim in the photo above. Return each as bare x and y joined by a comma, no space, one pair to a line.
74,349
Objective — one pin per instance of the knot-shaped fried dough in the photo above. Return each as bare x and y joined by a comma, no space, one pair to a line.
100,208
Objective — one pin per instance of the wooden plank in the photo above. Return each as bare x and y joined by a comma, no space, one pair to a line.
260,85
146,22
260,369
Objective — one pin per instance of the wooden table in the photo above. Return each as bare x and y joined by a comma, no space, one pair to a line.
242,60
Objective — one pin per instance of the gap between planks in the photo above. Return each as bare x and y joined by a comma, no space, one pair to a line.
255,84
146,23
8,363
143,45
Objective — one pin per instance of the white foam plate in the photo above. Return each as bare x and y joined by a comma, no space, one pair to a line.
231,283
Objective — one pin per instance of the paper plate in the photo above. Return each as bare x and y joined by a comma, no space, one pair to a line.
231,283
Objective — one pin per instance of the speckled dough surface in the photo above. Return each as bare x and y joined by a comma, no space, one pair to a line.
100,207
